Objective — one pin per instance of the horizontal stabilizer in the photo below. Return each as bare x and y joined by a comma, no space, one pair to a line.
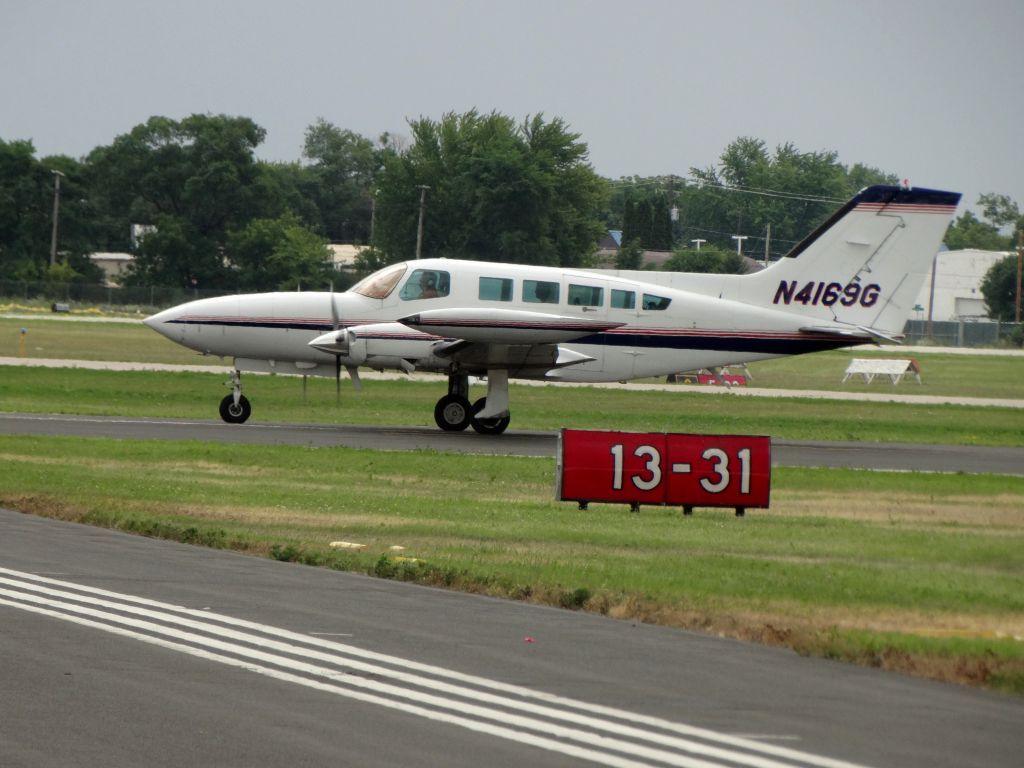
858,335
505,326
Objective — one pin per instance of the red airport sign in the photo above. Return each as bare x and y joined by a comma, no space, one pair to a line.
668,469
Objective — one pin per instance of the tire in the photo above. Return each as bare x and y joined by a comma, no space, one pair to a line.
235,414
493,426
452,413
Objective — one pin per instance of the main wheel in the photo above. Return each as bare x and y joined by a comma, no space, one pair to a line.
235,414
493,426
452,413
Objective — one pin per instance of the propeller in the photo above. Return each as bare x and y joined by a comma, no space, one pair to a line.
352,370
335,325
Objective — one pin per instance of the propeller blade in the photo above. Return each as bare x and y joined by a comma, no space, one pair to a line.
337,378
353,372
335,320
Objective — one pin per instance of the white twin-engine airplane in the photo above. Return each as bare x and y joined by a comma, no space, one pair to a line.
851,281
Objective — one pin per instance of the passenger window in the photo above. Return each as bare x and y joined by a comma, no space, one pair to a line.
586,296
426,284
656,302
623,299
495,289
540,292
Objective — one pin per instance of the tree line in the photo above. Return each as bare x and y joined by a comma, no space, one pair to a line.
489,187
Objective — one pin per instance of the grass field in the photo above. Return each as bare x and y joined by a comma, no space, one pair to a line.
918,573
913,572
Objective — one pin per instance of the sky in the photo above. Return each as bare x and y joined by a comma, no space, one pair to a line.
931,90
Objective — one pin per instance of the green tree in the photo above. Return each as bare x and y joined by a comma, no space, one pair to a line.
26,216
999,210
198,176
23,211
968,232
751,188
708,259
344,168
173,254
279,254
497,191
999,287
641,208
630,255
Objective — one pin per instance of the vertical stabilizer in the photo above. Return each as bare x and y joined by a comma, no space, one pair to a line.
864,266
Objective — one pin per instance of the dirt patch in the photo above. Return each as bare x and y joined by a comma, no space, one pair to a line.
976,512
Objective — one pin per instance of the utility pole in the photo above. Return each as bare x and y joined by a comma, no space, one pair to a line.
767,244
1020,263
57,176
931,297
419,229
373,214
739,243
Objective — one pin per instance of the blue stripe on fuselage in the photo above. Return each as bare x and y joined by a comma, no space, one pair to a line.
729,342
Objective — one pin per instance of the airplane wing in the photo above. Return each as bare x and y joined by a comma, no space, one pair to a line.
520,341
505,326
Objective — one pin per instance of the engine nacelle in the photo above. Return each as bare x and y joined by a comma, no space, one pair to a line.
377,345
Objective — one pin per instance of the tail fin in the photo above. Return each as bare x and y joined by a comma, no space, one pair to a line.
864,266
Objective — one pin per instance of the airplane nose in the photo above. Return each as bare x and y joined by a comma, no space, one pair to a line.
161,321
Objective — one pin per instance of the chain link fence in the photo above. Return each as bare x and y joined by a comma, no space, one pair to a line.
146,298
964,333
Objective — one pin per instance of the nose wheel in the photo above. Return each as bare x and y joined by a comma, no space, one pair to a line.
235,413
235,408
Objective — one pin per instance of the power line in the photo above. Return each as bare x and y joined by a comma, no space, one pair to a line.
663,181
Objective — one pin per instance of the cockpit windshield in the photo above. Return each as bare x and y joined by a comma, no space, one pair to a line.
381,283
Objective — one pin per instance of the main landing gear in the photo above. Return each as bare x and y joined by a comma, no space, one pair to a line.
235,408
453,412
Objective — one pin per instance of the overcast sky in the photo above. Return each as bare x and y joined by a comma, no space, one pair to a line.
932,90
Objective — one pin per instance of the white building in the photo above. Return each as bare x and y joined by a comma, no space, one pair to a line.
957,293
114,265
343,256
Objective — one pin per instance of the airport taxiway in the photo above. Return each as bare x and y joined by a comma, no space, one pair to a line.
120,650
796,453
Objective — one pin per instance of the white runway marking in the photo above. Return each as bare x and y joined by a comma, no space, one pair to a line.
595,733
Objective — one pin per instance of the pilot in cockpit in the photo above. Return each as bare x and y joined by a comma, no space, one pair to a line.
428,285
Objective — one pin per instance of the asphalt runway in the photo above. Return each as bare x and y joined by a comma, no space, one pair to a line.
786,453
118,650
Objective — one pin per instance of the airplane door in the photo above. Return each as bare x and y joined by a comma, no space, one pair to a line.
589,299
621,354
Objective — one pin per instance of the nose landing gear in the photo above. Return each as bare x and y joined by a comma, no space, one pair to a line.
235,408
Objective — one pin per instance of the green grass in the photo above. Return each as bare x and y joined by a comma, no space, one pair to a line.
54,338
945,374
918,572
411,403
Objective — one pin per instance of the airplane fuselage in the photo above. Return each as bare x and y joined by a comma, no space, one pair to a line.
654,330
